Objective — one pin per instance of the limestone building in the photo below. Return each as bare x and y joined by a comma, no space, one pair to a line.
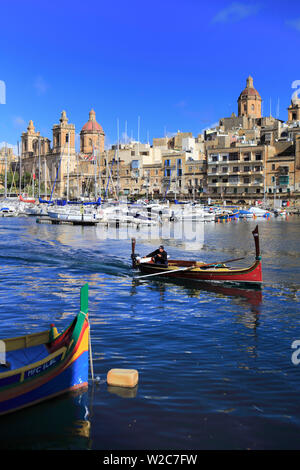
249,101
92,136
59,167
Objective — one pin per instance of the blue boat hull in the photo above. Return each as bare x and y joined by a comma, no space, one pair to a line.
72,378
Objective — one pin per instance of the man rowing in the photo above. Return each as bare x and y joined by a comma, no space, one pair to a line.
159,256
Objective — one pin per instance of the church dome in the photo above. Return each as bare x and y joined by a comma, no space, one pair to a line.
92,125
249,91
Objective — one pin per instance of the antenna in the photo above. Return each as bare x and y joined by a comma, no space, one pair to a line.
139,119
277,111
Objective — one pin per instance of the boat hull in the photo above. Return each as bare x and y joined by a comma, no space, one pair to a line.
251,275
63,370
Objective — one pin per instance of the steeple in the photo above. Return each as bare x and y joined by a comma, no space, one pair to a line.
250,82
63,118
30,127
92,115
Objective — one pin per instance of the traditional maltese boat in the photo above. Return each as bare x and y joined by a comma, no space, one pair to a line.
198,271
40,366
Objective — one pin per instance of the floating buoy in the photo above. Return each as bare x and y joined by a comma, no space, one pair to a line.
123,377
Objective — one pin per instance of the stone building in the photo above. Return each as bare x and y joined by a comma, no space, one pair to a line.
283,169
58,166
294,111
249,101
92,136
237,172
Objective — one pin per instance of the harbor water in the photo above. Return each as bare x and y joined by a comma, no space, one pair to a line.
217,368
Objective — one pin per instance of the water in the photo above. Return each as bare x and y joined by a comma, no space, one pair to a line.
214,364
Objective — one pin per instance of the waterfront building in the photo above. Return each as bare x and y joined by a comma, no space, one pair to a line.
246,156
283,170
71,172
237,172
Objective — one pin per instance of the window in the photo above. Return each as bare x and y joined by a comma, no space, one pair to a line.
258,156
283,179
214,159
273,166
224,169
235,169
67,138
246,180
246,168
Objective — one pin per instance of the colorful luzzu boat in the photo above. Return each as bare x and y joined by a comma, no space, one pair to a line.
40,366
198,271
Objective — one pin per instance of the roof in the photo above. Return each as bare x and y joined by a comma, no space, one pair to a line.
92,125
250,92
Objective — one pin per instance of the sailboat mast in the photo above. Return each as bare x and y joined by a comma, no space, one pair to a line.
99,170
20,172
95,171
39,167
5,177
118,162
68,166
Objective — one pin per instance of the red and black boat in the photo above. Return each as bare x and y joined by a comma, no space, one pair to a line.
199,271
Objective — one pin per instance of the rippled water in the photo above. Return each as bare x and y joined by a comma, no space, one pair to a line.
214,363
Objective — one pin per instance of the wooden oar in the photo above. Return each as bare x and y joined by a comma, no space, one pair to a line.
167,272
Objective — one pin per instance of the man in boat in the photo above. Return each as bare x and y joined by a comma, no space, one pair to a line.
159,256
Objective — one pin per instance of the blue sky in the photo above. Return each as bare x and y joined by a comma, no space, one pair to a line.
178,65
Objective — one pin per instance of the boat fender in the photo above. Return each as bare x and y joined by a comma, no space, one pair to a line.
123,377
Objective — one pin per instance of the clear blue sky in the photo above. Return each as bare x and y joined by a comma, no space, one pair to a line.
176,64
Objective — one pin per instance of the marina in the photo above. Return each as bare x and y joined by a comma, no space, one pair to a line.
219,355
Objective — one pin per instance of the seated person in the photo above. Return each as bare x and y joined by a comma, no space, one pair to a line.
159,256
